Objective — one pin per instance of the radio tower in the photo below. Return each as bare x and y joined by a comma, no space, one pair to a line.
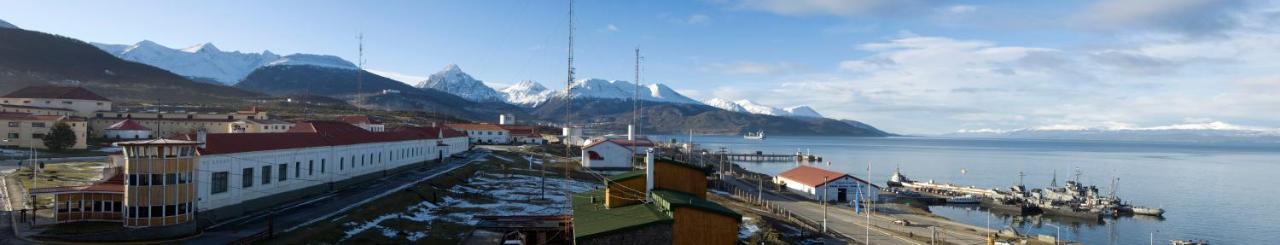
568,101
635,107
360,71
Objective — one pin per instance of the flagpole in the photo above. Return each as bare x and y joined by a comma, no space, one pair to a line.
870,202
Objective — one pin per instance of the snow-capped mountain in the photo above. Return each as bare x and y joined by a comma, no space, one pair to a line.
198,61
4,24
206,62
1198,132
802,111
529,93
756,108
400,77
327,61
724,105
526,93
748,106
452,80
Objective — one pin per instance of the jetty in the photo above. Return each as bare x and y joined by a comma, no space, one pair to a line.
762,157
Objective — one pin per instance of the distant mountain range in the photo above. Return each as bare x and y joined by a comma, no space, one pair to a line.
203,73
205,62
1191,132
35,58
748,106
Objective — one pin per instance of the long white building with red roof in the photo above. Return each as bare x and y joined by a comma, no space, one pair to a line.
821,184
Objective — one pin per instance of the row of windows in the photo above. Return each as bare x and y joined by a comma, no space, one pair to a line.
33,124
65,102
89,206
247,180
161,116
19,136
483,132
158,211
158,179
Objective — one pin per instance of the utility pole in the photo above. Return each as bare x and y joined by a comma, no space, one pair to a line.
871,202
825,187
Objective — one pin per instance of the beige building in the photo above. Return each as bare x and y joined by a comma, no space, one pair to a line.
252,120
26,130
80,100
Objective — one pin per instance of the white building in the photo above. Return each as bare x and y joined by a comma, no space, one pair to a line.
572,136
812,182
84,102
127,129
612,154
481,133
242,173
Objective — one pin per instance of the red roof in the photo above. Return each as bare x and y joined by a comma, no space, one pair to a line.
357,119
521,131
308,134
624,143
127,124
813,176
55,92
474,126
37,107
433,131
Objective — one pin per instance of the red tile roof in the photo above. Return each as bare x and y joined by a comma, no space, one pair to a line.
55,92
36,107
127,124
309,134
813,176
358,119
447,132
474,126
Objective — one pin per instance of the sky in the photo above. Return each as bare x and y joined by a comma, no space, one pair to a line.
906,66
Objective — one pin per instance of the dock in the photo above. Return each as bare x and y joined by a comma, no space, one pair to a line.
760,157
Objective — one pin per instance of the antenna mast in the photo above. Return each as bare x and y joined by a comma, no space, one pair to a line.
360,71
635,101
568,101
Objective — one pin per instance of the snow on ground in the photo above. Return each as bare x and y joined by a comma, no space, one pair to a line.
490,194
748,228
719,192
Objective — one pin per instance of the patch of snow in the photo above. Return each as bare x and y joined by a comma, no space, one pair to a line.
328,61
203,60
724,104
748,228
526,93
399,77
802,111
756,108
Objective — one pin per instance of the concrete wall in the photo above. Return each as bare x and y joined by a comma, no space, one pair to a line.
615,156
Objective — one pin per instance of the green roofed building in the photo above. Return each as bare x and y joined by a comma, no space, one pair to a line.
674,212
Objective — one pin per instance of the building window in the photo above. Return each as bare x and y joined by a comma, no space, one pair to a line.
13,124
37,136
13,135
322,166
66,102
219,182
266,175
297,169
342,163
311,167
37,124
99,103
284,172
246,178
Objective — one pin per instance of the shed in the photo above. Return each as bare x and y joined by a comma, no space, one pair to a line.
127,129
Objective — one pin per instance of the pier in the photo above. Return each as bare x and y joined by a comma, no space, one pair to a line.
760,157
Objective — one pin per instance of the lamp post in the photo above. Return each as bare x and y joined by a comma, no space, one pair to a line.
825,187
1058,237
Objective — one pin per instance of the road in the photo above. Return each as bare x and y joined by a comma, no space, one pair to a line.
845,221
305,212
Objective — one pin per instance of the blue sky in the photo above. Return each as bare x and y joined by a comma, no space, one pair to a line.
912,66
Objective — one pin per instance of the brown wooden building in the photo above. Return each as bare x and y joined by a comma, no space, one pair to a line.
675,211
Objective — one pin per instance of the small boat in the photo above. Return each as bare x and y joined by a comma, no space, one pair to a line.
1189,242
754,136
965,199
1148,211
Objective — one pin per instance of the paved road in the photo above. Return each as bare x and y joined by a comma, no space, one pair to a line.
7,214
845,221
304,212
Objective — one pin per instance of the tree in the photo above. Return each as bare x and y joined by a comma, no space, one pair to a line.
60,137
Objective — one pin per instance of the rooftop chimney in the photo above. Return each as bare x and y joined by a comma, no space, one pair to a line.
201,136
631,132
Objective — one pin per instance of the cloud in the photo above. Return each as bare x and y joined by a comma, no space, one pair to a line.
612,28
750,68
961,9
693,19
843,8
1194,17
